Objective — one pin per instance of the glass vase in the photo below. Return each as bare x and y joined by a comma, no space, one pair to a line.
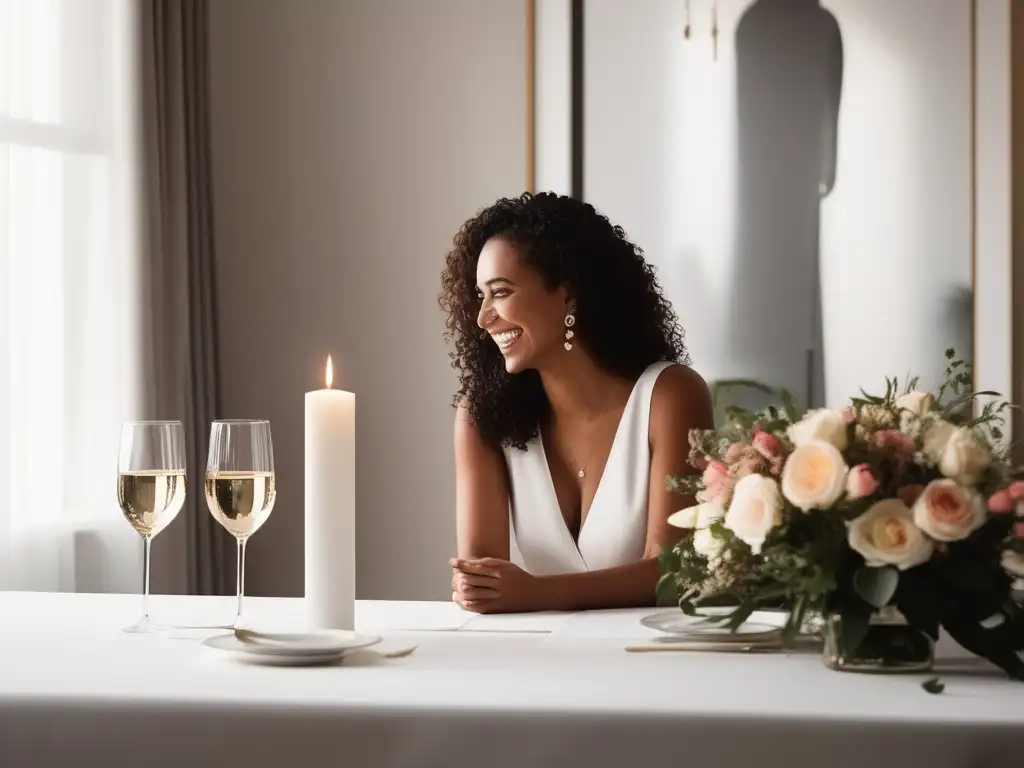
891,646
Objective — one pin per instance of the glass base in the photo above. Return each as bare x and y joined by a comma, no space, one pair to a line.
891,646
144,627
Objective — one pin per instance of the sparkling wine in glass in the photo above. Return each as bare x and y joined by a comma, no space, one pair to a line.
240,489
150,488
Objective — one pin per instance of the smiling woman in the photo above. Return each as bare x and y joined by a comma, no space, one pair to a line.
576,402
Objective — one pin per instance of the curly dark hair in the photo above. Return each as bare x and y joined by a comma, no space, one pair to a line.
621,313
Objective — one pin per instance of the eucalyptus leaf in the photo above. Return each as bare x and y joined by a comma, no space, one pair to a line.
853,627
788,405
667,592
741,614
876,585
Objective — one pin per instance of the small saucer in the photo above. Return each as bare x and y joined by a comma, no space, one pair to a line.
290,648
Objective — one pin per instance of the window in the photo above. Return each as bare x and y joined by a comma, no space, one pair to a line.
70,309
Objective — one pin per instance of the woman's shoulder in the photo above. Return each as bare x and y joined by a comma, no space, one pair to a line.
681,396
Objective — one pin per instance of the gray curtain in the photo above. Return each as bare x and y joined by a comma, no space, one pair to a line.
193,555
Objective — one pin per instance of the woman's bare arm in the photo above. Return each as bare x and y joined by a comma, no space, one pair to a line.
481,493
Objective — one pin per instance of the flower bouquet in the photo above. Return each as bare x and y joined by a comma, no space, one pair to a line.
890,518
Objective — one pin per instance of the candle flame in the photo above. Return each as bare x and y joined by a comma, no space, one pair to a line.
329,376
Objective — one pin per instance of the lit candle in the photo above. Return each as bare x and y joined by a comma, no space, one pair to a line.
330,506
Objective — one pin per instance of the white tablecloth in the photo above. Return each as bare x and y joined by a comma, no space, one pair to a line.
486,692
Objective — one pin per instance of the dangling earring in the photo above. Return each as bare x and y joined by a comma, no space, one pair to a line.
570,321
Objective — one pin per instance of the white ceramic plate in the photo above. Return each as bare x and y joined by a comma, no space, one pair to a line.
681,626
291,647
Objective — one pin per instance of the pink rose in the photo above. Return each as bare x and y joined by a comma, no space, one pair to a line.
717,483
947,511
767,444
1018,530
861,482
893,439
700,463
849,414
909,494
733,452
1016,490
1000,503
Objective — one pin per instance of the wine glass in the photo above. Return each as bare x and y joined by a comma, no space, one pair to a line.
150,488
240,488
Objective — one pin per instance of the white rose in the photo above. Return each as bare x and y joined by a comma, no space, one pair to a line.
886,535
912,407
704,541
824,424
935,438
1013,563
707,544
918,403
756,508
947,511
814,476
964,458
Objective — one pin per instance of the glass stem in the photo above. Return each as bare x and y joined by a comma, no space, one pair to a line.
146,541
240,580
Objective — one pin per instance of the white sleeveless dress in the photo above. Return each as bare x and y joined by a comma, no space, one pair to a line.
615,529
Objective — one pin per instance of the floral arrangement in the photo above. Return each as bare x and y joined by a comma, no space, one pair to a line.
903,501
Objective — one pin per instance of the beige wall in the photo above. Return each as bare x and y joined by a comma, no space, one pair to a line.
351,139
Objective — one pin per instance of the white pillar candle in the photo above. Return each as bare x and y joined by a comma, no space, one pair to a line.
330,494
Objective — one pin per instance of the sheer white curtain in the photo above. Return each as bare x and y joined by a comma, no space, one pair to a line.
70,314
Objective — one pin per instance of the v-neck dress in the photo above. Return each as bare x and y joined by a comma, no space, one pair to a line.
614,531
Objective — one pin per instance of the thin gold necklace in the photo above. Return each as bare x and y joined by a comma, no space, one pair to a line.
581,471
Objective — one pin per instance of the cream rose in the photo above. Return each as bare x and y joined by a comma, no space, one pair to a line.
814,476
947,511
821,425
1013,563
704,541
886,535
756,508
964,458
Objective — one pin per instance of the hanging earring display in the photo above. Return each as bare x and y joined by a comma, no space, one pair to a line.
570,321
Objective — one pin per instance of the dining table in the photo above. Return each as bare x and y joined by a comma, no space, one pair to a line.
441,686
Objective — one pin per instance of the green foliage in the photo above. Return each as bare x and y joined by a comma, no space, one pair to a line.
876,585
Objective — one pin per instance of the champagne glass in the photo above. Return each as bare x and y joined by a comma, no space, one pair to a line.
240,488
150,488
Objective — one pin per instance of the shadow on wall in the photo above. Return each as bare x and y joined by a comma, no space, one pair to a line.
789,72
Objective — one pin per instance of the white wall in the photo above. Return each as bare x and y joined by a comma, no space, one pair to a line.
898,227
351,139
